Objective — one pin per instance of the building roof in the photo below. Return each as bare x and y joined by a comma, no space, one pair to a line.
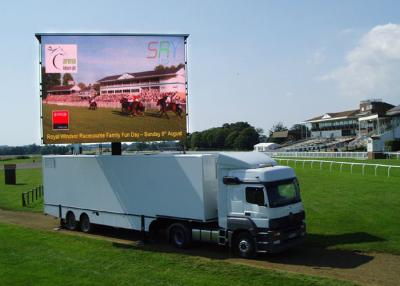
266,144
137,75
394,111
335,115
61,88
280,134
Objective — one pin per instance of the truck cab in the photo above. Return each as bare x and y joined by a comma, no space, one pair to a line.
263,212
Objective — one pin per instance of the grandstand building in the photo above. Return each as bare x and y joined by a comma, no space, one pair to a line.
369,118
169,80
63,89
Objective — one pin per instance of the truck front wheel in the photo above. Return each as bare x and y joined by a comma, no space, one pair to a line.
70,222
85,224
179,235
245,245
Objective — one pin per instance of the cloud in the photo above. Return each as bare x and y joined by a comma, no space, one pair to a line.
318,57
372,68
346,32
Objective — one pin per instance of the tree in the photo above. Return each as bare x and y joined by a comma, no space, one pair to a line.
49,80
96,87
81,85
261,135
67,77
299,131
195,140
160,68
247,139
230,139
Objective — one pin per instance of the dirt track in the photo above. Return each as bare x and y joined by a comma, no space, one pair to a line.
362,268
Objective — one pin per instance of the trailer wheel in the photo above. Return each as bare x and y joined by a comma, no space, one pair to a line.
85,224
245,245
70,222
179,235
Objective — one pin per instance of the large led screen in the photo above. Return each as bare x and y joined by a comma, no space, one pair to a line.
113,88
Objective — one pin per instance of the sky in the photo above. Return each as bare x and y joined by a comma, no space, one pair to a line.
101,56
255,61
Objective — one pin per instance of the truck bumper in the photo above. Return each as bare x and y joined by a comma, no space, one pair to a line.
274,241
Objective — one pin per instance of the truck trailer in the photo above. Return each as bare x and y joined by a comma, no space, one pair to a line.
242,200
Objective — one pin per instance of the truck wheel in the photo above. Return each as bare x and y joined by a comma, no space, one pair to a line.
179,235
85,224
245,245
70,222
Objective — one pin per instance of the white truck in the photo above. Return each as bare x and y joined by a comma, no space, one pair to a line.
242,200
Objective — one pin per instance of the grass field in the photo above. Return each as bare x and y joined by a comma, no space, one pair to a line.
31,257
15,160
10,195
351,211
348,211
112,121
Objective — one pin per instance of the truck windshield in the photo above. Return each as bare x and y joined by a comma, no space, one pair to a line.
282,193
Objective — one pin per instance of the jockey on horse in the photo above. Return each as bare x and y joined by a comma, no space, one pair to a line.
92,103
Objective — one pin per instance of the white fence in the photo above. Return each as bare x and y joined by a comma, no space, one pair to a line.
353,155
320,163
349,155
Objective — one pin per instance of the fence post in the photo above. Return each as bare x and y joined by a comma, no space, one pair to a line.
389,170
351,168
376,167
320,165
330,168
23,200
341,166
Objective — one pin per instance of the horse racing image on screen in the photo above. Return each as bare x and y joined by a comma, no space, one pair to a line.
113,88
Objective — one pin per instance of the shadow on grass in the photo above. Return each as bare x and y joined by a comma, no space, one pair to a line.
314,253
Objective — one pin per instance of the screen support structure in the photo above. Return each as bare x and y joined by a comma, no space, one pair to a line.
116,148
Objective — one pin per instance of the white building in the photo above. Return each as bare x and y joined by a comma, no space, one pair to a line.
168,80
263,147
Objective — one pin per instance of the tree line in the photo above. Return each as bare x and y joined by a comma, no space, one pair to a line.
230,136
34,149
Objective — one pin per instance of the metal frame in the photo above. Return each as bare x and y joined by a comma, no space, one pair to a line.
38,36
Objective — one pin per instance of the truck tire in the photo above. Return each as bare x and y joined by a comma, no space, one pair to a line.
179,235
245,245
84,223
70,222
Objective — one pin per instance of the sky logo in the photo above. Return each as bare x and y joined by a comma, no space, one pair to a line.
163,51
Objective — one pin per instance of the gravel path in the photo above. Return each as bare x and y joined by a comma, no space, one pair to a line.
362,268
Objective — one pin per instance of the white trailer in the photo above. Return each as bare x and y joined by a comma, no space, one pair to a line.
239,199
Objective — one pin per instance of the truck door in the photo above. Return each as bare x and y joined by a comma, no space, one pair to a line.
255,204
236,200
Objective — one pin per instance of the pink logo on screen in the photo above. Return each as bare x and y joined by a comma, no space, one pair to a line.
61,58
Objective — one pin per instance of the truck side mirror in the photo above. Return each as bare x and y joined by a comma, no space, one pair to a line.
231,180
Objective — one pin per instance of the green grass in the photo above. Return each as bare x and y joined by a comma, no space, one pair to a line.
10,195
31,257
347,211
14,160
112,121
351,211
